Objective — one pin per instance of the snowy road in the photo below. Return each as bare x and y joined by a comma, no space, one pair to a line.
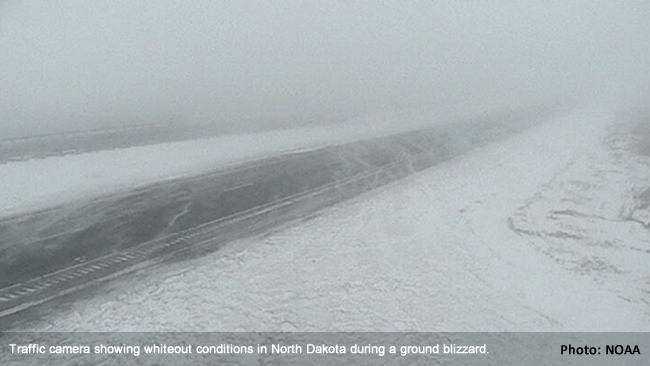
192,217
433,251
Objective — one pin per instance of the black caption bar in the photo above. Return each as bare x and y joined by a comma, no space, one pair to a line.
325,348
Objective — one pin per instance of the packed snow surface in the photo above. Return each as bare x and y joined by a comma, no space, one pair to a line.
478,243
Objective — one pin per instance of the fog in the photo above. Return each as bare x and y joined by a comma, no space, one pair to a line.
72,64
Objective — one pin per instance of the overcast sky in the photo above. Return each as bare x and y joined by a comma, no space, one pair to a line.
70,64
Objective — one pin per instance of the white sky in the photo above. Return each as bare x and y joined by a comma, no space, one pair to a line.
71,64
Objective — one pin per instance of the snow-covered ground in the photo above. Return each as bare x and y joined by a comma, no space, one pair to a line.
41,183
527,234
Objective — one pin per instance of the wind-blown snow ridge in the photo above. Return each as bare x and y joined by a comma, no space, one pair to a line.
592,218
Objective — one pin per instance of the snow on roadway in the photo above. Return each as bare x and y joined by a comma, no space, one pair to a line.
436,251
42,183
